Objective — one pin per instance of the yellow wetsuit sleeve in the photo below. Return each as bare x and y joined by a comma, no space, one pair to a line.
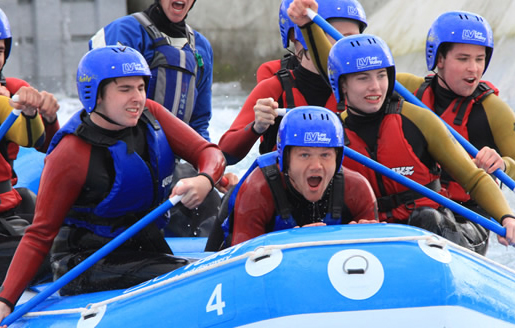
501,119
444,148
410,81
26,132
318,47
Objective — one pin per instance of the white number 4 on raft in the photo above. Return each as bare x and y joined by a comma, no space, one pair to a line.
215,301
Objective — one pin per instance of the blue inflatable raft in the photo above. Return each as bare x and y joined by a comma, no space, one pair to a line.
375,275
382,275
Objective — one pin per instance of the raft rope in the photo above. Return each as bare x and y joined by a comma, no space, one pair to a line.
93,308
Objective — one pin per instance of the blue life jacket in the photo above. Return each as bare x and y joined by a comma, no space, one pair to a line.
132,195
283,218
174,69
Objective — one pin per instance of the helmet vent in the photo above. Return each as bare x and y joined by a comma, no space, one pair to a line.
307,116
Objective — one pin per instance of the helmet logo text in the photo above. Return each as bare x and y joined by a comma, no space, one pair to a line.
132,67
368,62
85,78
473,35
353,11
316,137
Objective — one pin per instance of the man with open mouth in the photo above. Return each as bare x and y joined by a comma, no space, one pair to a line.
301,184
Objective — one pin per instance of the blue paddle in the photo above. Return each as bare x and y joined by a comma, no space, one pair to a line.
335,34
9,121
453,206
92,259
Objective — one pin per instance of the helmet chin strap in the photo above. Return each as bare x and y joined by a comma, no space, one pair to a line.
106,118
444,82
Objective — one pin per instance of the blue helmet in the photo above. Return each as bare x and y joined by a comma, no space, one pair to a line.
104,63
5,33
359,53
329,9
310,126
285,23
458,27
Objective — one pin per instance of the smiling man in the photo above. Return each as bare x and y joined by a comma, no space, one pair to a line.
301,184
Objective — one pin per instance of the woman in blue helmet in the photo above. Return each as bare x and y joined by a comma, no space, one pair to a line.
301,86
407,139
107,167
300,184
459,47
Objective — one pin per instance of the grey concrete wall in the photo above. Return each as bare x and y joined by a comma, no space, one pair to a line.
50,37
244,33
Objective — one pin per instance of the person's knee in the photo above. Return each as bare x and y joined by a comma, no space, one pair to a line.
475,237
440,222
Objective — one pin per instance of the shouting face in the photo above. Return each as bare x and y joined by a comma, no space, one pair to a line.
176,10
311,170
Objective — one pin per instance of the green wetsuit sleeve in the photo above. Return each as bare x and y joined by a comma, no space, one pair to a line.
409,81
444,148
501,120
318,47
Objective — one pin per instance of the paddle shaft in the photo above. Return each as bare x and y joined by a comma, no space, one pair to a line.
6,125
465,212
400,89
92,259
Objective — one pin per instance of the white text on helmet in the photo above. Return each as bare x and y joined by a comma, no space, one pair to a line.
368,62
353,11
132,67
473,35
316,137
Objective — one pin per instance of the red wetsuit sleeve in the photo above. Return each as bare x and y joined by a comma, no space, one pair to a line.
50,130
13,84
359,196
239,139
186,143
62,179
254,208
267,70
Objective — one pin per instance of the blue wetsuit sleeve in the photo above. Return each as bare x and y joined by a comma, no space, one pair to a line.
203,109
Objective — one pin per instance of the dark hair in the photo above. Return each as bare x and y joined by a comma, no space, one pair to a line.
102,86
444,49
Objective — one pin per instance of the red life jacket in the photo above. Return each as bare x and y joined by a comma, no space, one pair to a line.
456,115
395,201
